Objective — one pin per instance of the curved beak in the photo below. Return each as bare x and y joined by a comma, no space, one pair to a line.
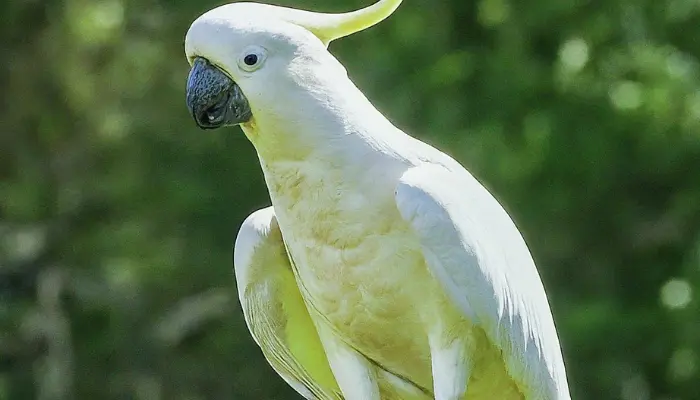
213,98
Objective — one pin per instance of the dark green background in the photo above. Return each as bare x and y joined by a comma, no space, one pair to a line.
117,215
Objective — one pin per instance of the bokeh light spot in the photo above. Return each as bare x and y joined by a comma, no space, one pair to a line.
574,54
676,294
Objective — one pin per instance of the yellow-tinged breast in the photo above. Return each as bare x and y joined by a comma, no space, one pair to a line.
362,270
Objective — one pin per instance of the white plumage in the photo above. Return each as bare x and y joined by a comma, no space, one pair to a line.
415,279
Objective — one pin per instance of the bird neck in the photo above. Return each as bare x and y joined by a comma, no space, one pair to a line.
319,112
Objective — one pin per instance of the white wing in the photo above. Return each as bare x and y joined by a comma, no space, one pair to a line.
275,311
475,251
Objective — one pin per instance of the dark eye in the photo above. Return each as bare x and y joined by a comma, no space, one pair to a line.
250,59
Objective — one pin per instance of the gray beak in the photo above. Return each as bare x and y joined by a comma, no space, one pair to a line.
213,98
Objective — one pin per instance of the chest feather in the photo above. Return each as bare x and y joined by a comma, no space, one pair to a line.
346,237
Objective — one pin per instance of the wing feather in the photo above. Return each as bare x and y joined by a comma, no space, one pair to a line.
475,251
275,311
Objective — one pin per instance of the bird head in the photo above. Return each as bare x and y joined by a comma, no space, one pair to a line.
250,60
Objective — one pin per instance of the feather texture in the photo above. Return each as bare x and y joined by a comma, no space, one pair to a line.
275,311
474,250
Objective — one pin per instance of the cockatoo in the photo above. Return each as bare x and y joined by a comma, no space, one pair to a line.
383,268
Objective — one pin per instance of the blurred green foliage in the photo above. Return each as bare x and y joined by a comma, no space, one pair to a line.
117,215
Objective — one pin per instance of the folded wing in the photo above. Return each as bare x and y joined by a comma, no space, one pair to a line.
473,248
275,311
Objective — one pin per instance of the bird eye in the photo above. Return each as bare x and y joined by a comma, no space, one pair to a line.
252,58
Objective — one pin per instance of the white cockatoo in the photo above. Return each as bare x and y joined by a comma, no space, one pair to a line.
383,269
